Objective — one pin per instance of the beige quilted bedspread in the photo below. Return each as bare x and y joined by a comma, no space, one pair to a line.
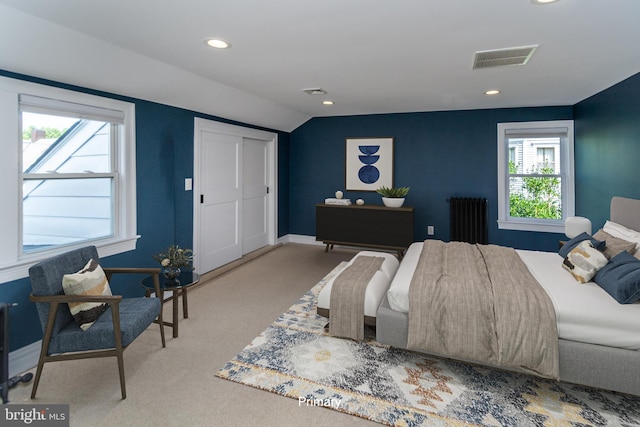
480,303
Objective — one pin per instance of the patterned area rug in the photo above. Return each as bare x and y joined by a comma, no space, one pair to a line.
295,357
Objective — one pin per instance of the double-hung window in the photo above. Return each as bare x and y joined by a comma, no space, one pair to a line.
69,177
535,175
75,173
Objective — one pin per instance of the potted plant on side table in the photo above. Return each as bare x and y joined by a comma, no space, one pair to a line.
393,197
173,259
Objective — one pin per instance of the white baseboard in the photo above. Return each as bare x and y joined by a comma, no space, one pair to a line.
283,240
24,358
300,238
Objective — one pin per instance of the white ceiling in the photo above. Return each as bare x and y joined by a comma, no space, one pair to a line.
371,56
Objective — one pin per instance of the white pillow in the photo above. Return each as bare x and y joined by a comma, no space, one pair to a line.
623,232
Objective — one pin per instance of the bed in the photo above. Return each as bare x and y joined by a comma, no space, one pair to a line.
598,338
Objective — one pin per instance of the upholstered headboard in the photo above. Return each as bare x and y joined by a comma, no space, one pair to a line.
625,212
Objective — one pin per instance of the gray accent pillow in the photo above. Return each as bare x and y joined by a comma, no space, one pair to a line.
614,245
568,247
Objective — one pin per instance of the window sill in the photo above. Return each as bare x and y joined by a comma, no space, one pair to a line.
20,269
531,226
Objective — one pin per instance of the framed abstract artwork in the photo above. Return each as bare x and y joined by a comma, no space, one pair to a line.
369,163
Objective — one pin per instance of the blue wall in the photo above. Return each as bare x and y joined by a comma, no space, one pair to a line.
607,127
164,158
438,154
283,184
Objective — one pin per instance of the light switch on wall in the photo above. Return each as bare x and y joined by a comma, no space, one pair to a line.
188,184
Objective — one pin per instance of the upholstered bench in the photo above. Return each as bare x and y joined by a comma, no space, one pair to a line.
376,289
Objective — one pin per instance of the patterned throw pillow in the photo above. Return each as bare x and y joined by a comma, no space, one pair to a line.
91,280
584,261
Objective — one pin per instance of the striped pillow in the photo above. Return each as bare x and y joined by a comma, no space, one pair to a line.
91,280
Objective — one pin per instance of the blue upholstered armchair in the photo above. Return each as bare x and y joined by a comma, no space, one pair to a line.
122,320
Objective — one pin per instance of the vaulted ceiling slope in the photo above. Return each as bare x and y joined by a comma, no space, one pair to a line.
370,56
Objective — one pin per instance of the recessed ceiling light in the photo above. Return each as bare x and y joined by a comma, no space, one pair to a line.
218,43
543,1
327,102
492,92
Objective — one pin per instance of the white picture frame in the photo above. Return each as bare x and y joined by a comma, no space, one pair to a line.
368,163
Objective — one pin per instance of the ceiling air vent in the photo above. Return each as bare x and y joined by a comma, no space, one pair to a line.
501,57
315,91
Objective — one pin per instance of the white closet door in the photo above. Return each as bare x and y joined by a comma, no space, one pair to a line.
255,195
235,192
221,202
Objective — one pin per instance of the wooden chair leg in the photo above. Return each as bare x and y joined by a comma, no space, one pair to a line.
161,323
175,313
159,294
119,350
121,371
36,380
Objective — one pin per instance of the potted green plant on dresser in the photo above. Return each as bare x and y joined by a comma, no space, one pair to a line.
393,197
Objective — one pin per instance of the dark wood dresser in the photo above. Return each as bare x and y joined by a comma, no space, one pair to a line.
371,226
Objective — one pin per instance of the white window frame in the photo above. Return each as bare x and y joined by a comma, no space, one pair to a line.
563,128
13,263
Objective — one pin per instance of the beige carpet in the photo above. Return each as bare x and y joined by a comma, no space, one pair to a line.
176,386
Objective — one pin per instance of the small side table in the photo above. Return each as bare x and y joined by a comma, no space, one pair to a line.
178,287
